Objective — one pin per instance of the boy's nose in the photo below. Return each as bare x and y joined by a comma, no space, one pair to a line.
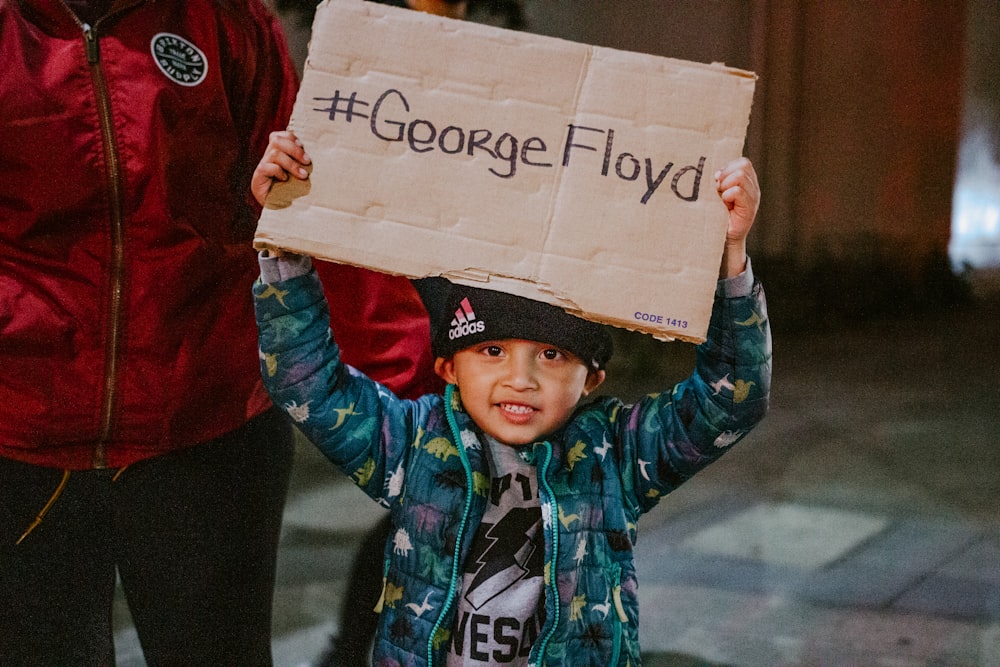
521,372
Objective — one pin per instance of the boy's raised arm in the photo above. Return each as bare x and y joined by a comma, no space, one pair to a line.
685,429
356,423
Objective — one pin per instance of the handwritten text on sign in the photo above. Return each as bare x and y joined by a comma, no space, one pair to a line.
390,120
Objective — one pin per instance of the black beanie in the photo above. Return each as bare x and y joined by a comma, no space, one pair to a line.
472,315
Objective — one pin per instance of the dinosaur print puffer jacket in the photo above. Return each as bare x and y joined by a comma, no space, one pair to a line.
423,460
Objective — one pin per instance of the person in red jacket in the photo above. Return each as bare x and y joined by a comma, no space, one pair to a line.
136,440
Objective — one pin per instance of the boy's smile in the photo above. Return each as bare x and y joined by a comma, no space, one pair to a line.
518,391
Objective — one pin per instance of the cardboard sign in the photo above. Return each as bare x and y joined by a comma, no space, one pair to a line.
571,174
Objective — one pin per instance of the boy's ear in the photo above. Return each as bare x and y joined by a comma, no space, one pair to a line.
594,380
445,368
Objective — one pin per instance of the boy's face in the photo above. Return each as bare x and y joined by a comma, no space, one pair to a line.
518,391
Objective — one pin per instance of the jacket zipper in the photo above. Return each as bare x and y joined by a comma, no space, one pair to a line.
449,393
117,260
552,620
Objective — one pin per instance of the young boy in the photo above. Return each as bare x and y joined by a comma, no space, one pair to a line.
514,506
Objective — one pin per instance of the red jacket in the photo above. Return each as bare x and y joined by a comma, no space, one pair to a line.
125,156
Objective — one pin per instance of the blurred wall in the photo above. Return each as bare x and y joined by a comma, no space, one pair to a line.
873,96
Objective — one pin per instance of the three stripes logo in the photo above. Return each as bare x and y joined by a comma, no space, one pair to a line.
465,322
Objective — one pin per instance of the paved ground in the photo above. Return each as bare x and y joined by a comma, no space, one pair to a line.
859,525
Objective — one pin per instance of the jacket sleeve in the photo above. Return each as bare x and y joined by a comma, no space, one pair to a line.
357,423
666,438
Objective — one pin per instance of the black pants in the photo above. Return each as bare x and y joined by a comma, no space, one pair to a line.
193,535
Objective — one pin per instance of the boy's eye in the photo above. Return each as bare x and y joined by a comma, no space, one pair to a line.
552,354
493,350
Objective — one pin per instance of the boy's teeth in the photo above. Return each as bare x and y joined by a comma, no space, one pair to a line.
516,408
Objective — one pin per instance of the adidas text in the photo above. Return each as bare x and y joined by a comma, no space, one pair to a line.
466,328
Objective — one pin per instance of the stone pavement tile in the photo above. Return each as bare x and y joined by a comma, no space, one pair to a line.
667,610
661,557
887,566
925,565
979,562
301,562
306,605
749,630
673,566
787,534
967,586
336,505
128,651
701,504
676,660
859,637
307,613
953,598
722,627
301,647
767,630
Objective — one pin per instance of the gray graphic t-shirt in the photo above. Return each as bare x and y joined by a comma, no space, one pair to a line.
499,610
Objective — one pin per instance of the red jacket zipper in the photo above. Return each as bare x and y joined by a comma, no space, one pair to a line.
116,273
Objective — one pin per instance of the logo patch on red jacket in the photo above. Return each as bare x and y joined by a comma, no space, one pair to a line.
180,60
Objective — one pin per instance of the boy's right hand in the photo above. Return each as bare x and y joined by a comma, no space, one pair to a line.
284,156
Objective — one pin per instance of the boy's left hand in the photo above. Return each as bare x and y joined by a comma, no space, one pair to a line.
740,192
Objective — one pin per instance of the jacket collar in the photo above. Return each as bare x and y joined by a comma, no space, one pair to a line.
55,18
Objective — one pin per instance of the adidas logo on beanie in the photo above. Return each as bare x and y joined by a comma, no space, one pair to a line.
478,315
465,323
